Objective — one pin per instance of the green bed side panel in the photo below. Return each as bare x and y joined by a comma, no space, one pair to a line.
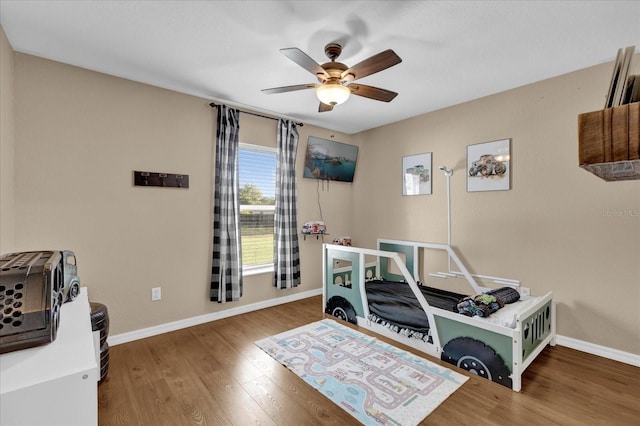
501,344
536,328
350,293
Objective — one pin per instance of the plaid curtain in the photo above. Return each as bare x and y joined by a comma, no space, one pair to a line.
286,253
226,267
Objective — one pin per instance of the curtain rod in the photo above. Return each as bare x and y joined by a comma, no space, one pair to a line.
214,105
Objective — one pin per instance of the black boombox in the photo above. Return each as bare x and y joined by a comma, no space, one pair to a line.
33,287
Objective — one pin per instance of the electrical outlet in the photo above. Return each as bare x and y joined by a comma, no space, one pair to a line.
156,293
525,291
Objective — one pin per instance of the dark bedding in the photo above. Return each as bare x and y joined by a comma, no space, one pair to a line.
396,303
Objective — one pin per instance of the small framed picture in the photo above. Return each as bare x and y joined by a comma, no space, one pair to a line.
416,174
489,166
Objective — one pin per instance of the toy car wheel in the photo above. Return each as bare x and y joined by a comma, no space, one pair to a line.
74,291
55,316
340,308
477,358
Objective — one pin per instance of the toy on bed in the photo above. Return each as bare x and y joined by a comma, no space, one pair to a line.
494,333
483,305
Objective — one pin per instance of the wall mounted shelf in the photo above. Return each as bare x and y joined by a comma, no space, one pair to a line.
304,236
609,142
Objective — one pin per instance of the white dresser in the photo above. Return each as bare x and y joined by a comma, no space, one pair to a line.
54,384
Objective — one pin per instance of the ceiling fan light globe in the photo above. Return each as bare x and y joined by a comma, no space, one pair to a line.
332,94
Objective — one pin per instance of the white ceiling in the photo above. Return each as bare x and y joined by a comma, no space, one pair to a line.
226,51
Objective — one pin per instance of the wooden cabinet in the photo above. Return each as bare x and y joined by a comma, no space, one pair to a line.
54,384
609,142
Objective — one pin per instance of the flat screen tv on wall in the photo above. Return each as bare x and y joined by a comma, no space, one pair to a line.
330,160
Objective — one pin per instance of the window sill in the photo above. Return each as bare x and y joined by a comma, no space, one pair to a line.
256,270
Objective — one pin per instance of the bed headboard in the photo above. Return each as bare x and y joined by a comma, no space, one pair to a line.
410,253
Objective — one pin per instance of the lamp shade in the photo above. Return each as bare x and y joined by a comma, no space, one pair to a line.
332,93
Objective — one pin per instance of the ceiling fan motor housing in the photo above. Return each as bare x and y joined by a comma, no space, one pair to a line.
334,69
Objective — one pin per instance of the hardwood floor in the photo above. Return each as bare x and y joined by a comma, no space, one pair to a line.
213,374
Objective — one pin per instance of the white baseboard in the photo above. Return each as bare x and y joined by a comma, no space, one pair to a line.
580,345
603,351
201,319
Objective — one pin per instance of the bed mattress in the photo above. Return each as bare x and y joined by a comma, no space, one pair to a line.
396,303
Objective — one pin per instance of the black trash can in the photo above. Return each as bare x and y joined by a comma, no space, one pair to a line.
100,322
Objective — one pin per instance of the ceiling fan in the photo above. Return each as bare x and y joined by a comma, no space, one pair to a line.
336,79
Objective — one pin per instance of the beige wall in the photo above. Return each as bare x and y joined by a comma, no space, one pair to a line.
79,136
558,229
6,144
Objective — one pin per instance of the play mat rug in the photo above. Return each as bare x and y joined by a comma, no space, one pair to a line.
371,380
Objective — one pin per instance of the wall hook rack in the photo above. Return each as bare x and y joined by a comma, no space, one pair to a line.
166,180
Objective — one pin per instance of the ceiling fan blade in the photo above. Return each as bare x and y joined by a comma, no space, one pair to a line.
289,88
324,107
374,64
304,60
372,92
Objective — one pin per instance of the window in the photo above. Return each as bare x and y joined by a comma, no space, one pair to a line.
257,170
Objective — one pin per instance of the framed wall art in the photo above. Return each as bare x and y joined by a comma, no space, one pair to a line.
330,160
416,174
489,166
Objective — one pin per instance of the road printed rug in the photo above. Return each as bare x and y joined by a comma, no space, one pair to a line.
373,381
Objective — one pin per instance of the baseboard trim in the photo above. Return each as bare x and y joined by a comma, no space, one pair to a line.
603,351
580,345
201,319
